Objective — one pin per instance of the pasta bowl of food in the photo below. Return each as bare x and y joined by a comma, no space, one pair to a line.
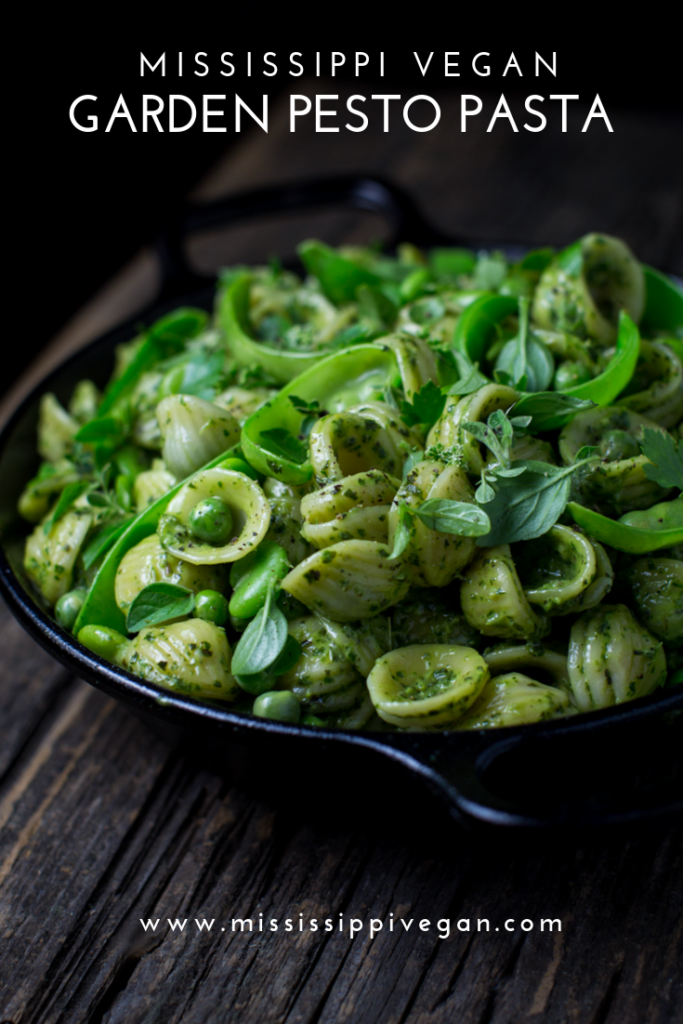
418,508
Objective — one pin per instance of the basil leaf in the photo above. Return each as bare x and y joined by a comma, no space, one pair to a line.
459,517
527,506
549,409
280,442
158,603
66,500
404,531
262,641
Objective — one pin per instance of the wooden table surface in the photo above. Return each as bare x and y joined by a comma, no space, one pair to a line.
104,825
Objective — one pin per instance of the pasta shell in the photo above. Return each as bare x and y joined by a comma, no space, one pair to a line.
193,432
190,657
493,600
426,685
354,579
612,658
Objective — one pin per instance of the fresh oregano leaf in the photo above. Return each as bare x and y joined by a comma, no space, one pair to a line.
484,492
462,518
158,603
262,641
261,682
412,461
470,379
549,409
280,442
404,531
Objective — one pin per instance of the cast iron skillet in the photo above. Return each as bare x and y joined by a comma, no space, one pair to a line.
602,768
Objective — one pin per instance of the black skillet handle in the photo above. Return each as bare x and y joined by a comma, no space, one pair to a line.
593,771
351,191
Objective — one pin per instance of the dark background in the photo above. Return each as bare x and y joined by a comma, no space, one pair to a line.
83,204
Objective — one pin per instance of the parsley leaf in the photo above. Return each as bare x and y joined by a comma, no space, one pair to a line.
666,456
426,406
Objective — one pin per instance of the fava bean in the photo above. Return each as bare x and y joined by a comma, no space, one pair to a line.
280,705
106,643
252,575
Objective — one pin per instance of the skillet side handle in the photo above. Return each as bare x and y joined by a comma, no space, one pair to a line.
350,191
590,774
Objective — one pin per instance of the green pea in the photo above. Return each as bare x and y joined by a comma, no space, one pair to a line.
569,374
617,445
105,642
280,705
68,607
211,521
252,575
211,606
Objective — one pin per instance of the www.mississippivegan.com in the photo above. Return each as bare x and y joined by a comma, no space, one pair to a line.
351,926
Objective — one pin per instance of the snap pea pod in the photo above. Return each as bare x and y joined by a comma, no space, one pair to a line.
100,607
636,533
339,277
165,337
233,315
477,324
663,303
336,382
475,328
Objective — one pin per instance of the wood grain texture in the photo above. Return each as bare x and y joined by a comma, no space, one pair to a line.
103,825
